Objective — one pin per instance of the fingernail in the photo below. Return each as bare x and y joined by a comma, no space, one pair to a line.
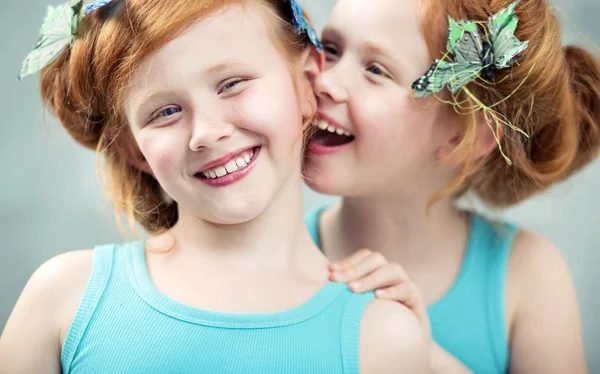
379,292
355,285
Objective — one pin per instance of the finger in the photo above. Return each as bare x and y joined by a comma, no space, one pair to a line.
352,260
368,265
382,277
398,292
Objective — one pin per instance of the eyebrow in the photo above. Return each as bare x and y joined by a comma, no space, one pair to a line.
372,48
367,48
223,66
331,33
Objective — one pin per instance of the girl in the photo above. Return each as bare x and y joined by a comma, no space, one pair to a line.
499,298
196,108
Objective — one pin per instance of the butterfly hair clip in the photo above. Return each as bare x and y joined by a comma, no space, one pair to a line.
474,56
58,31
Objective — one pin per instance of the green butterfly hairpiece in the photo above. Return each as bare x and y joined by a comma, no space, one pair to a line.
474,57
57,32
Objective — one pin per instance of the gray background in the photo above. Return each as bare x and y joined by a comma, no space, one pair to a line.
51,200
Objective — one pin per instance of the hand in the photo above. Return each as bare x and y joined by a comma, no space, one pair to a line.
366,270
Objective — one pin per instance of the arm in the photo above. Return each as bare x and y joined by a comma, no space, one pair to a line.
391,282
545,334
444,362
392,340
32,338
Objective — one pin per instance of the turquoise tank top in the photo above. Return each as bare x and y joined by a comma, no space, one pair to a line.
469,320
125,325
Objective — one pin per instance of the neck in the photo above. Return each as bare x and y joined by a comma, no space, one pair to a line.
401,228
276,238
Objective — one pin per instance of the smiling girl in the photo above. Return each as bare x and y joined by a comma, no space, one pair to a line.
196,108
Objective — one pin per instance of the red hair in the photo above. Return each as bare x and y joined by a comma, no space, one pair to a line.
558,104
84,87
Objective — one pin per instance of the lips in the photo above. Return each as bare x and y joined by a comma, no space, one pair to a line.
237,162
230,168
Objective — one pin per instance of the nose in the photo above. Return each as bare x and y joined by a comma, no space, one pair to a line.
207,133
329,85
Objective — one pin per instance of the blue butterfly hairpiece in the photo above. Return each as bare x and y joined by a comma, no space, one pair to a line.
95,5
300,25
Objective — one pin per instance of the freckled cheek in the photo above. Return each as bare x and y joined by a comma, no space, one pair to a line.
163,152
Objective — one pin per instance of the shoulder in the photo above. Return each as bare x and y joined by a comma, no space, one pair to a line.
62,272
541,290
538,277
391,339
536,263
57,285
43,313
60,282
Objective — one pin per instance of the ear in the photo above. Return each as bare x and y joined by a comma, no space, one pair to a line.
483,143
310,63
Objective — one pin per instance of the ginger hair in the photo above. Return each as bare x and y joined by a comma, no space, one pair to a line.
557,104
84,88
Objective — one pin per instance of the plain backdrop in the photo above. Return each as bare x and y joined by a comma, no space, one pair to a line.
51,200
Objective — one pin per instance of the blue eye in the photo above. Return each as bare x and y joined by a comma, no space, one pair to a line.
165,114
375,70
229,85
169,112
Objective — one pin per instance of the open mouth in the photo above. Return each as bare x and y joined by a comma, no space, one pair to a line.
328,135
237,164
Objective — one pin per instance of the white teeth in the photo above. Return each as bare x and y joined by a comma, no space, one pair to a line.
220,171
240,162
325,126
231,166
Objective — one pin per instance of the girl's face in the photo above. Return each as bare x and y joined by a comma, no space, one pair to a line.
217,117
373,136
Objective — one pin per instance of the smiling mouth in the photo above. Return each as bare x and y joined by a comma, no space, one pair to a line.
330,136
236,164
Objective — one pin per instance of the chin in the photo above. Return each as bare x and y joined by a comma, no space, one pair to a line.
327,183
237,212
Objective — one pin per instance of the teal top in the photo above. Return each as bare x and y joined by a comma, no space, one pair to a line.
469,321
125,325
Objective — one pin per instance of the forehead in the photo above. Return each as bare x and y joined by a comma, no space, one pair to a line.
392,24
237,33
